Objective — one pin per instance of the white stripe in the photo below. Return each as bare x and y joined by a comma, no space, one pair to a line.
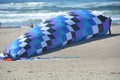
69,36
21,36
95,29
22,39
23,44
46,32
70,28
89,36
68,16
64,43
97,20
46,38
39,51
43,24
21,51
70,22
44,44
44,28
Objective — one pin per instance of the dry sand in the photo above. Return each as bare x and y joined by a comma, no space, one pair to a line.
99,60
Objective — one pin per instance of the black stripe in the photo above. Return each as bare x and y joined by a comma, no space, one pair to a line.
49,42
100,27
95,35
51,30
49,25
48,21
75,20
26,47
44,49
75,27
69,41
102,18
73,34
28,40
51,36
24,54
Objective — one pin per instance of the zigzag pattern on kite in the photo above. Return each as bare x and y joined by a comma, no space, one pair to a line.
59,31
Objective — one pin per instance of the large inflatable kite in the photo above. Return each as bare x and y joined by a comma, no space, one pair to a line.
65,29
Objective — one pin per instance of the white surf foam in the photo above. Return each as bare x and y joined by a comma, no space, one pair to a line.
15,17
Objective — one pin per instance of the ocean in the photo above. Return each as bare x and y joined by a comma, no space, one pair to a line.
18,13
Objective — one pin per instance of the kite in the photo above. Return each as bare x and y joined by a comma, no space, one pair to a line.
61,30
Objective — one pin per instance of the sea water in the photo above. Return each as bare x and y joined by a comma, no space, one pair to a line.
18,13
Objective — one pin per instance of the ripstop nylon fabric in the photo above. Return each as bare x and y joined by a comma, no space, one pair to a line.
55,32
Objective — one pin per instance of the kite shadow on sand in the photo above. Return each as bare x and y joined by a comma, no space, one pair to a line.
81,43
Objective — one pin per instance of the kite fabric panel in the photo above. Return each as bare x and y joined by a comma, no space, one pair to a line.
72,27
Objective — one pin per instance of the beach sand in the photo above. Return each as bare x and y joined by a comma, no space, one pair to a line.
99,59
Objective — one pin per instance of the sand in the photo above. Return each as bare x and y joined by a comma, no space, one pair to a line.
99,59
